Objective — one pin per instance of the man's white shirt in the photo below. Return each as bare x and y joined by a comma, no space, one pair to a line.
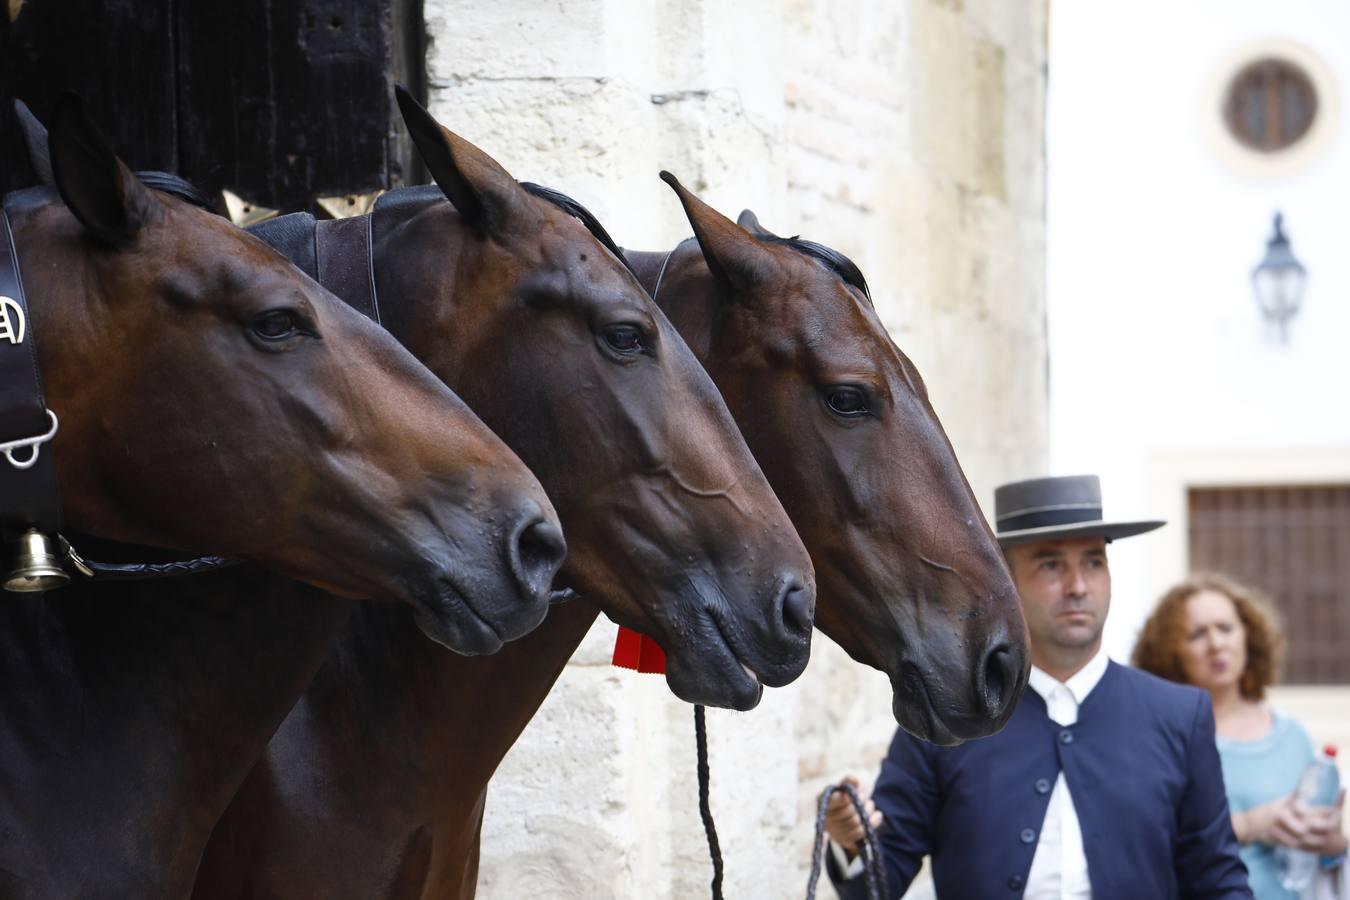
1059,868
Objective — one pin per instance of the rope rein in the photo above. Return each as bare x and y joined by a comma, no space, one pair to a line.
873,866
704,810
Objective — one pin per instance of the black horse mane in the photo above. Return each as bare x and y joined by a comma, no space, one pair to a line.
577,211
164,182
177,186
833,260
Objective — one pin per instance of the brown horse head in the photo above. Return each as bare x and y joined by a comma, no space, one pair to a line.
534,320
911,578
214,399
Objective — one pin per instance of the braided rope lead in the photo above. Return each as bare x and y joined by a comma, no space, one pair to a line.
870,849
704,810
148,571
142,571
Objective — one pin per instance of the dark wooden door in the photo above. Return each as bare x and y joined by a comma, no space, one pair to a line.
1294,543
279,101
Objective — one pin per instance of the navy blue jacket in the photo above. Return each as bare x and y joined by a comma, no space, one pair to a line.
1143,771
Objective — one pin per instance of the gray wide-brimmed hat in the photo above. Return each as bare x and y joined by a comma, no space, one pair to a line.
1053,508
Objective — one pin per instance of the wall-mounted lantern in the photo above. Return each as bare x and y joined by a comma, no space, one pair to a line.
1278,281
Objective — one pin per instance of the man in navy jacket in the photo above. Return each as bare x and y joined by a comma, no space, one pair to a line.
1105,784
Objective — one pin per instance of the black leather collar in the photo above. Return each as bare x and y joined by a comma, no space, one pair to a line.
345,263
337,253
29,497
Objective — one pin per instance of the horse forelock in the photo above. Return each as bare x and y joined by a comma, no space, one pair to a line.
852,276
832,259
578,212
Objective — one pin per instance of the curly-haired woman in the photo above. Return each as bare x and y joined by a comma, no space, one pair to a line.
1217,634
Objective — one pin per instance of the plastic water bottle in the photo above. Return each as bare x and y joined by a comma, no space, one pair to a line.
1319,786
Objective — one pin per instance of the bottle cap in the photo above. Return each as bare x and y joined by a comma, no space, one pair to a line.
1330,750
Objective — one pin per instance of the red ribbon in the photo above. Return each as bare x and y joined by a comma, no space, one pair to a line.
633,650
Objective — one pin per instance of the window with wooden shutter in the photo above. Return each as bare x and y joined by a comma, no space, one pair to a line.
1270,105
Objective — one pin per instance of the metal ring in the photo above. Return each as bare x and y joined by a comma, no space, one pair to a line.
8,447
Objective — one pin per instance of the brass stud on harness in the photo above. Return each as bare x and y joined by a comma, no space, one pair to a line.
35,565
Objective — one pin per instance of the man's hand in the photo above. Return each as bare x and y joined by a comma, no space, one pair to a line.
841,819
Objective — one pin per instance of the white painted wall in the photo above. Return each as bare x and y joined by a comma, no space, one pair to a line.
1161,371
907,133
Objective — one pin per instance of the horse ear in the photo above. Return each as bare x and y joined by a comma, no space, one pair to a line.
98,188
736,258
35,139
750,222
480,189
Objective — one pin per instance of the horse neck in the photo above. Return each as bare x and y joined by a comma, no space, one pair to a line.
425,694
409,734
174,684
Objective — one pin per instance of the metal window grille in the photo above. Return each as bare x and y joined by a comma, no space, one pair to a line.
1293,542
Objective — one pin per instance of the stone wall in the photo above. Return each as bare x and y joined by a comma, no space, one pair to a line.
907,133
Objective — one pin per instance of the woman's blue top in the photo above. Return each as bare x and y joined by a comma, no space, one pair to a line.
1256,772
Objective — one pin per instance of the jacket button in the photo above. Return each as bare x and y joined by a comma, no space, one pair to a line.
1028,836
1042,785
1066,736
1016,882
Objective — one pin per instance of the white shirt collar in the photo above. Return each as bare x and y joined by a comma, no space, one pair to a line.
1080,684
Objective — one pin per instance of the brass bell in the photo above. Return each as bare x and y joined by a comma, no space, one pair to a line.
35,567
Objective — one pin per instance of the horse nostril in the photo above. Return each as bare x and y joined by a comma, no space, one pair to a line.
536,555
798,609
997,677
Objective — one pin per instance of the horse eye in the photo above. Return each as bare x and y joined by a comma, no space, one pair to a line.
276,325
846,401
623,338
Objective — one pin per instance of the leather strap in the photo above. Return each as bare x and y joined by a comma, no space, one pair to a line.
28,493
345,266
